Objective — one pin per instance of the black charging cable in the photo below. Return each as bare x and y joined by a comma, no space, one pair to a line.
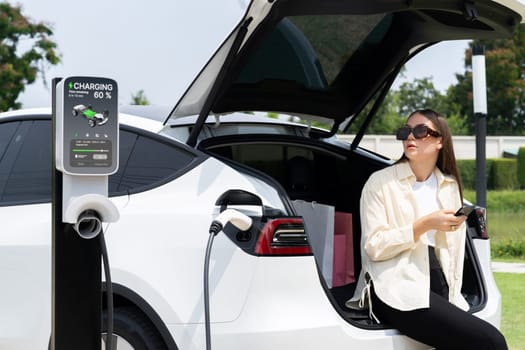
215,228
239,221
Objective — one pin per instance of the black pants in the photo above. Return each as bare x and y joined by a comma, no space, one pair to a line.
443,325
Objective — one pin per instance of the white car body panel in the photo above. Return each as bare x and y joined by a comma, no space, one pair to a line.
492,310
254,302
157,249
25,267
171,269
306,320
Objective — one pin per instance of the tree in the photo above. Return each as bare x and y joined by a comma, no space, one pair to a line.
139,99
418,94
421,94
19,67
505,75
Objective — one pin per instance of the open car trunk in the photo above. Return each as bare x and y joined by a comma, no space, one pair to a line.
318,172
325,60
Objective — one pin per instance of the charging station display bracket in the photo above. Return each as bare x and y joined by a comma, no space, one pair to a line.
87,126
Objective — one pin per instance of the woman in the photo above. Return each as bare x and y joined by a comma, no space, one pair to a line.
412,244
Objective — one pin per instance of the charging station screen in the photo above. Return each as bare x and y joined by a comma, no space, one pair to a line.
90,153
87,126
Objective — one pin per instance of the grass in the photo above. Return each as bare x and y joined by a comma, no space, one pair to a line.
509,260
511,286
501,201
506,226
505,223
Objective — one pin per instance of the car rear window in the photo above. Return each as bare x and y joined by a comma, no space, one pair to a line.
301,48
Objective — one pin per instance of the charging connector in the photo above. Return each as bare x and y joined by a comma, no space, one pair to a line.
243,223
235,217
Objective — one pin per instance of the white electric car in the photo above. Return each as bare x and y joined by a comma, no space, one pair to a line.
318,59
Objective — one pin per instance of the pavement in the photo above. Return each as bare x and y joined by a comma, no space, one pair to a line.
508,267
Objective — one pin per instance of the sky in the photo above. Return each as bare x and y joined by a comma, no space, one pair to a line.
159,46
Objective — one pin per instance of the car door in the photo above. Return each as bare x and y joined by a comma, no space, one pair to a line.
25,239
25,234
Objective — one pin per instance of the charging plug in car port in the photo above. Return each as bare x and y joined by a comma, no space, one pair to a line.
227,217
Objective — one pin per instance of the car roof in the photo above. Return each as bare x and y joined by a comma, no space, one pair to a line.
159,113
139,121
281,56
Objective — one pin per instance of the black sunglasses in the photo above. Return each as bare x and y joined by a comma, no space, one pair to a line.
419,131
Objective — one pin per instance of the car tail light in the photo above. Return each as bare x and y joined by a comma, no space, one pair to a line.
478,221
283,236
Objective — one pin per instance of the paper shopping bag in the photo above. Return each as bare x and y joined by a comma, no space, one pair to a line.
319,224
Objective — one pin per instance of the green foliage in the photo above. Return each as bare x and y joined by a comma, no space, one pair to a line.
139,99
387,118
410,96
420,94
501,201
457,124
503,174
521,167
508,249
505,216
504,60
467,172
19,67
508,201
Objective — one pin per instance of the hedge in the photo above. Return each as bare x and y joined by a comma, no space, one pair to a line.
467,172
521,167
502,173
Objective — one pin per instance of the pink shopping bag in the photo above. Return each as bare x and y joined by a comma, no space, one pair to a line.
343,264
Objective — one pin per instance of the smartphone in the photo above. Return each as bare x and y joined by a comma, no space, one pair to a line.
465,210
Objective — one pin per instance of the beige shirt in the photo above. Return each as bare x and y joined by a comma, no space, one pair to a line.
398,265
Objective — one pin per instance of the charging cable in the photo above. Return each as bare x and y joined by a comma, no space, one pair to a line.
88,226
241,222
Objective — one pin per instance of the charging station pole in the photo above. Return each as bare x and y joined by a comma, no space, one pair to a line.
85,150
479,91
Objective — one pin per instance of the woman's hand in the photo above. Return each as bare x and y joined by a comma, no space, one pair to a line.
441,220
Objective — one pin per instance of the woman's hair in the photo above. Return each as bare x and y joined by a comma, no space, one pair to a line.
446,161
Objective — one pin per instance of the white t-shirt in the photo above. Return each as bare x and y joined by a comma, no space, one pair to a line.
426,197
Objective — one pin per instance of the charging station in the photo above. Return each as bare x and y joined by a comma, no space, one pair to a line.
85,149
